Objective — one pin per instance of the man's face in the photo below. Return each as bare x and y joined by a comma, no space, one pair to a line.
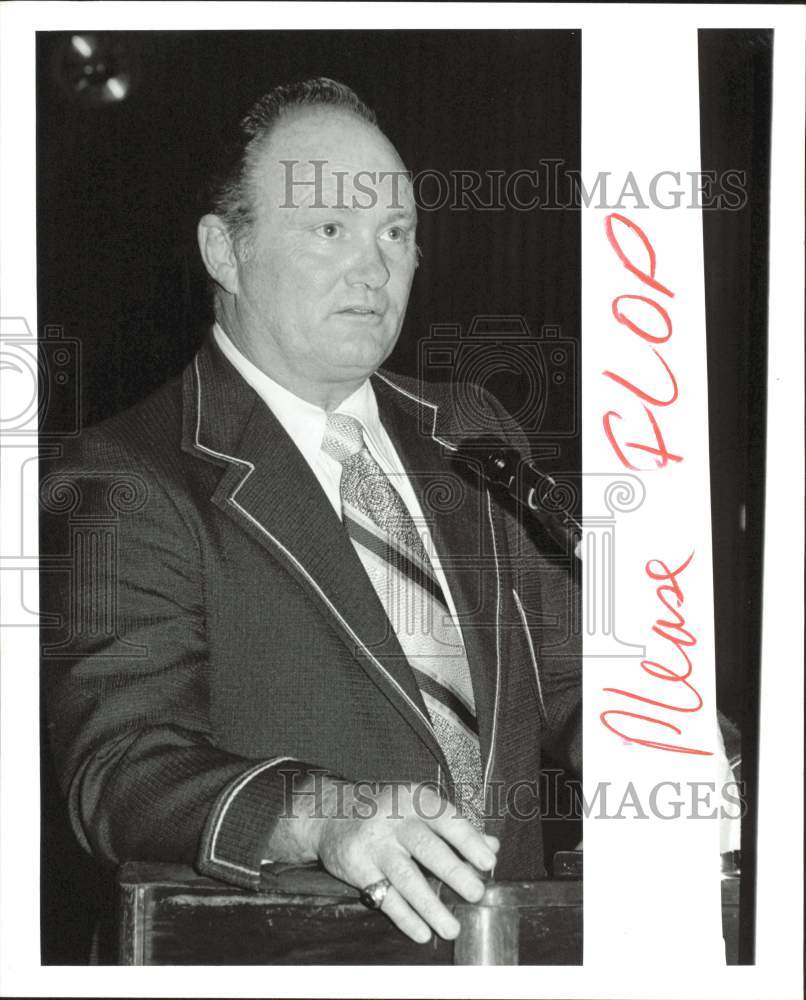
323,290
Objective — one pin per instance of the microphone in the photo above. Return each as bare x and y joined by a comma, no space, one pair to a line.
533,489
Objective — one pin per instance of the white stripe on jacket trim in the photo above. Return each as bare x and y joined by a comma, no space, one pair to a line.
522,613
422,402
243,780
491,754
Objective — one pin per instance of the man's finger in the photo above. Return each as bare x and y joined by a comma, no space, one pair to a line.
410,883
396,908
434,854
403,916
465,838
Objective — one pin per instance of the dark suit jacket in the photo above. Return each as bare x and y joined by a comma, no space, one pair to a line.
219,635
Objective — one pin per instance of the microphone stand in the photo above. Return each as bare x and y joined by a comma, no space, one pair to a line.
533,489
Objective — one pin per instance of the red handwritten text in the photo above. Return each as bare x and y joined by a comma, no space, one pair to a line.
651,401
673,631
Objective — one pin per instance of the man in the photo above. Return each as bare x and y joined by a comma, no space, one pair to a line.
322,648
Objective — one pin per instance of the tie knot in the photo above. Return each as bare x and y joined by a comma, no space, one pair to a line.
343,437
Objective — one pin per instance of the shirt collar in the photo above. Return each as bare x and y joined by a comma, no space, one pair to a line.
304,422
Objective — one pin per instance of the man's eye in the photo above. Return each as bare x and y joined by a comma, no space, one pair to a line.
329,230
396,234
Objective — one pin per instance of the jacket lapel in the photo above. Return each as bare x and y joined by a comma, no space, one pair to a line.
269,489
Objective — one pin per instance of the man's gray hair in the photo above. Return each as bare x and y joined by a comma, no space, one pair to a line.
230,196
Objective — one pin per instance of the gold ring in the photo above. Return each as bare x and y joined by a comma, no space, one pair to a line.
374,894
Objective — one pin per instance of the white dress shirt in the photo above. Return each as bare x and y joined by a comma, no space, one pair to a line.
304,423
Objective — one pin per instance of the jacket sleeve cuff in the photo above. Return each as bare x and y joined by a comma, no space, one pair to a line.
242,820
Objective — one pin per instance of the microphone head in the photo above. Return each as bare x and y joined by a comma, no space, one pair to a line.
490,456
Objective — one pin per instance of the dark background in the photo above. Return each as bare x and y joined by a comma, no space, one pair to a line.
735,119
118,269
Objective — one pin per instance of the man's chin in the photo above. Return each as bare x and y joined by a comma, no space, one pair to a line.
353,369
358,360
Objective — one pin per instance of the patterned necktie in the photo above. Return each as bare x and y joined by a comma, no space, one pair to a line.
392,552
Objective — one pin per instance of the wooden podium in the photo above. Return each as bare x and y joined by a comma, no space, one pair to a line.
169,915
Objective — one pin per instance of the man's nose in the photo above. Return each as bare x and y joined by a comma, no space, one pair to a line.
368,267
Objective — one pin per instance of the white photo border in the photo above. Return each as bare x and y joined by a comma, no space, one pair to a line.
777,972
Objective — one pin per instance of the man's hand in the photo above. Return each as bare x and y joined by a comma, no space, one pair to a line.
375,835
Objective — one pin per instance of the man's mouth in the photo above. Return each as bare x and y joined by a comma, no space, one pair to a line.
359,311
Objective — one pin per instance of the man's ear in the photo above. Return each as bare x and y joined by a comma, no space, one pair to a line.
218,253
